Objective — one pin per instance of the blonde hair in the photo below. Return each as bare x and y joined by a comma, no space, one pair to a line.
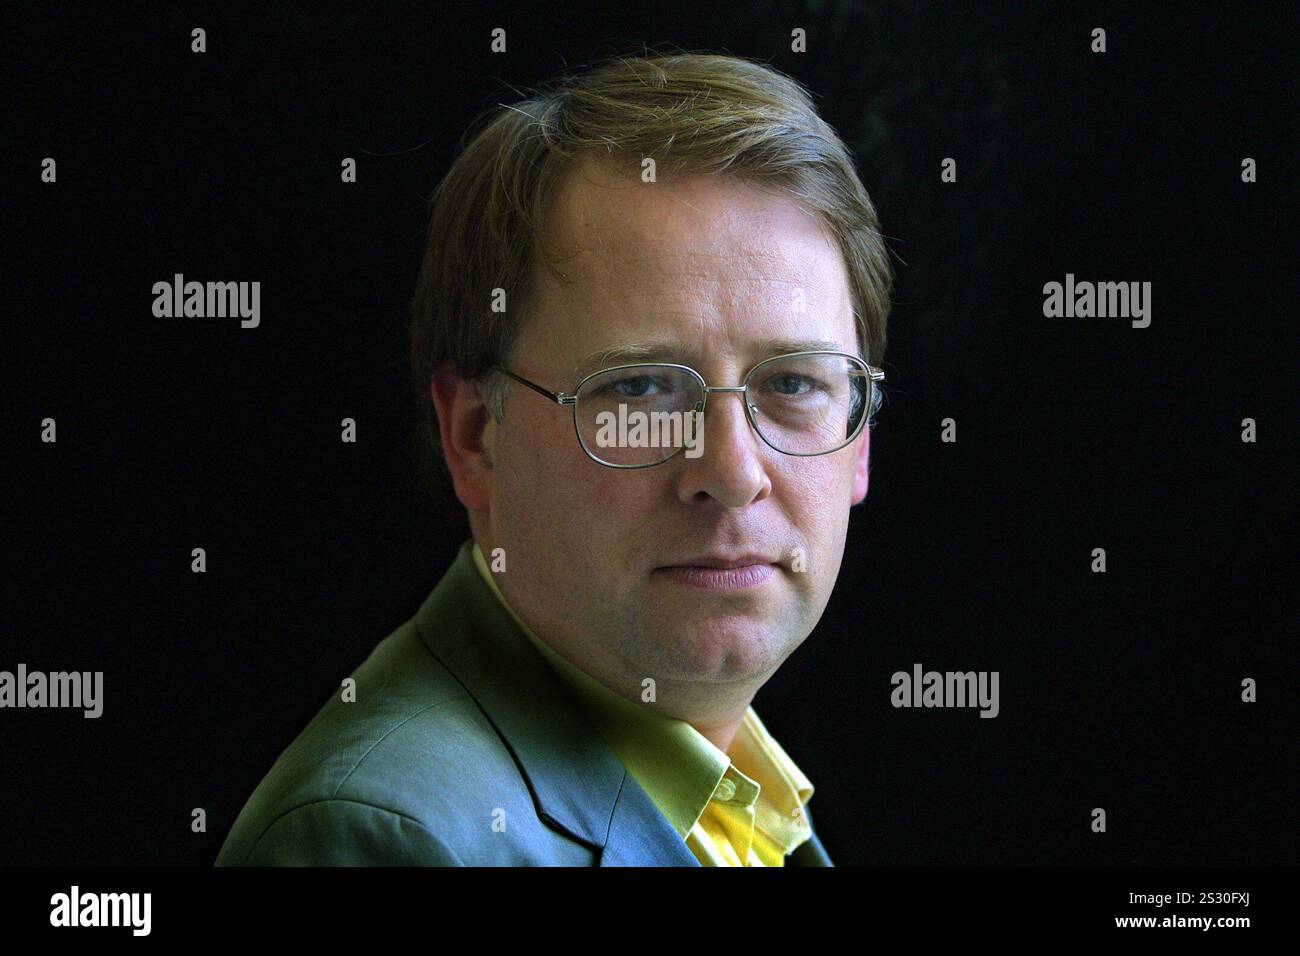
694,113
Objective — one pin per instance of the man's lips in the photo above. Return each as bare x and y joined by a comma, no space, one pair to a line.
721,572
723,562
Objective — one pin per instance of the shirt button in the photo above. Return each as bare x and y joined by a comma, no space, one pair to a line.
797,812
726,789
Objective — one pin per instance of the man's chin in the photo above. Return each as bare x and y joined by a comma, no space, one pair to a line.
718,648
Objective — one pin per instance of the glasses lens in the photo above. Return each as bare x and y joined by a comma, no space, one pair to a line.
809,404
639,415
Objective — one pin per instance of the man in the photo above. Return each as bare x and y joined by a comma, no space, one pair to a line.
577,689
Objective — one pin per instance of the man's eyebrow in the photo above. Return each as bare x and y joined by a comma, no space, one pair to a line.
676,353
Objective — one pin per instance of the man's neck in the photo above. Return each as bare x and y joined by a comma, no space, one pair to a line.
720,733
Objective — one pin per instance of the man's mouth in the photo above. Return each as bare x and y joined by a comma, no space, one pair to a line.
721,572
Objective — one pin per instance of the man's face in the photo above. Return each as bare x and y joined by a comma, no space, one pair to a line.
710,268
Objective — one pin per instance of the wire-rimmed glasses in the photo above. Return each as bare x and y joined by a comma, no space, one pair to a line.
637,416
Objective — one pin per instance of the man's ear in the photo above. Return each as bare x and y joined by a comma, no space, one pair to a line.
463,422
861,475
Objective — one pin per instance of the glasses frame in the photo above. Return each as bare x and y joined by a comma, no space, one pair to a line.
873,373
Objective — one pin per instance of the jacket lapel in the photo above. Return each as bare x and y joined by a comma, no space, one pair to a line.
577,782
640,835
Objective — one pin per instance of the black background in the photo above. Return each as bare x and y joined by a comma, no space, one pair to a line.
1118,690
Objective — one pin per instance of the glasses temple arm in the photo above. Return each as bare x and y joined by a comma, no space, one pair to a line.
557,397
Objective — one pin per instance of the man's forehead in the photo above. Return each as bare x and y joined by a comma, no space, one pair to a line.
602,225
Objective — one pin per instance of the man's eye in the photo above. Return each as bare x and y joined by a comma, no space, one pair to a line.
637,386
791,385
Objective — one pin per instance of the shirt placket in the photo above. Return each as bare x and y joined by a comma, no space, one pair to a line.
737,794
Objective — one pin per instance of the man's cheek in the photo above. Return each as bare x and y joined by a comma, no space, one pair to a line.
612,494
812,497
606,492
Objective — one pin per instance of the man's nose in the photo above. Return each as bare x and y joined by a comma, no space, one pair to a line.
732,465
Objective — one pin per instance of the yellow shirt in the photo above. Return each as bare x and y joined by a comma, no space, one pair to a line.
742,809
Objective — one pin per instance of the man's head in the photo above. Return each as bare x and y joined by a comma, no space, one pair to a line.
753,238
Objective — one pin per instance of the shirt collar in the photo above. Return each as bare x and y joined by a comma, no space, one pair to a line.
679,768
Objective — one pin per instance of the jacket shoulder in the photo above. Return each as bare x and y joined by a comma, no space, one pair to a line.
411,771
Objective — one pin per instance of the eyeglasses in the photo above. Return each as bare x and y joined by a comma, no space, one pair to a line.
636,416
